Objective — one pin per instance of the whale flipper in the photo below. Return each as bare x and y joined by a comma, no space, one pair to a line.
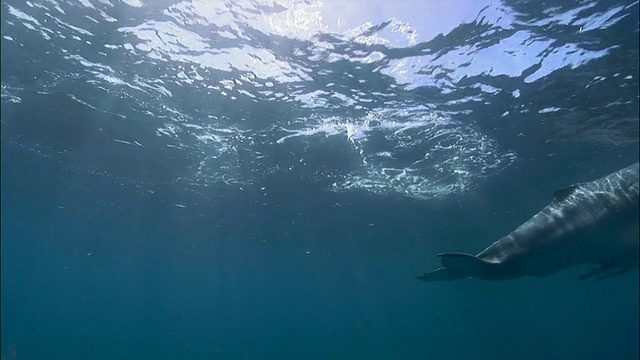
467,265
608,269
439,274
459,265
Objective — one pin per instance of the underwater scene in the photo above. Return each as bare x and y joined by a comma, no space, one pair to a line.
319,179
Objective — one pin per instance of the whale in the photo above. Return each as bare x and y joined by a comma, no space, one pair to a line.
591,223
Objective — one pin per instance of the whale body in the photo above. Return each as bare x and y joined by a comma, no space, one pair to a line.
594,223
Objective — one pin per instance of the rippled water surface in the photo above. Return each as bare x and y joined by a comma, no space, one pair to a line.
411,98
262,179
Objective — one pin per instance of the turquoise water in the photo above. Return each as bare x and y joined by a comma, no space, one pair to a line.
263,180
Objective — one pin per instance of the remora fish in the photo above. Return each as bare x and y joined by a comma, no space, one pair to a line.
594,222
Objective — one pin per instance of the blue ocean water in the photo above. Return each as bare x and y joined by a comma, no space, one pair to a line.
256,179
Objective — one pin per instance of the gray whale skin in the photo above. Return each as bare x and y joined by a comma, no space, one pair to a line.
594,223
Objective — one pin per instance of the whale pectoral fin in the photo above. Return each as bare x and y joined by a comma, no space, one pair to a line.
459,265
606,270
439,274
593,272
466,265
616,272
